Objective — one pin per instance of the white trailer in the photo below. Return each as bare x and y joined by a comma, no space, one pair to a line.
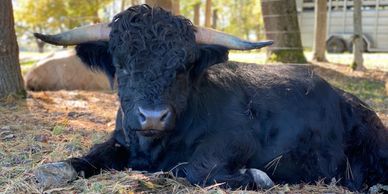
340,24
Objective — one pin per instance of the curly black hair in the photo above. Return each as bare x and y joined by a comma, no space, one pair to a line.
152,39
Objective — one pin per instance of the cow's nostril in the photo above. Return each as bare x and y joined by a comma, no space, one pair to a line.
154,118
142,117
165,116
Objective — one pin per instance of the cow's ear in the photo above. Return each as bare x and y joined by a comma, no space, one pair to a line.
209,55
97,57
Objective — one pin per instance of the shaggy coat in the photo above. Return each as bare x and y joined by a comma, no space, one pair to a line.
283,120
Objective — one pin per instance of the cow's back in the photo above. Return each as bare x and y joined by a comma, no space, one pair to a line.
64,71
303,126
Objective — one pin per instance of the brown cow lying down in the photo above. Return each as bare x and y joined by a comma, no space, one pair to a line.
64,71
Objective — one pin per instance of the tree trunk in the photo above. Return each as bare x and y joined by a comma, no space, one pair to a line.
40,45
176,7
165,4
96,18
320,30
357,37
197,12
11,81
134,2
215,19
208,13
281,25
123,5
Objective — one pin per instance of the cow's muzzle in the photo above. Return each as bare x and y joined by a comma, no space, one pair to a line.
154,121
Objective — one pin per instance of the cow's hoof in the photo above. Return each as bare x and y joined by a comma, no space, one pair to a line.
54,174
261,178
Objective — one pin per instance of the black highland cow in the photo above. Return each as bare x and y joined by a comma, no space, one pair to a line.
185,108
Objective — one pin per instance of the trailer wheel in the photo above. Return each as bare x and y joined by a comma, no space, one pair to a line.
336,45
364,43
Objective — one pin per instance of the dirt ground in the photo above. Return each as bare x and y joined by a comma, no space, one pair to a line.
52,126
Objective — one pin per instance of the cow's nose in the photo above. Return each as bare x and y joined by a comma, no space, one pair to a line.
156,119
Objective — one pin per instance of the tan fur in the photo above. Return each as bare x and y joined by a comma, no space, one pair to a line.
64,71
386,87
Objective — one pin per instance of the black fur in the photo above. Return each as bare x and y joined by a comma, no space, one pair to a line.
97,57
284,120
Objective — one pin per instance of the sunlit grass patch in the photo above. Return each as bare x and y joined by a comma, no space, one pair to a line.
372,92
363,88
26,66
29,59
248,57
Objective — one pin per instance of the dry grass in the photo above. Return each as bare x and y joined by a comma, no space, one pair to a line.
52,126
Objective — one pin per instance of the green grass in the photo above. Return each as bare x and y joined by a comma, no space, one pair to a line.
28,63
370,91
364,89
26,66
58,130
29,59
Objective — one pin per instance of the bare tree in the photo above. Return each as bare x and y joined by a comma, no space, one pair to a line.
197,12
40,45
208,13
165,4
281,25
11,81
123,5
358,61
215,18
171,5
176,7
320,30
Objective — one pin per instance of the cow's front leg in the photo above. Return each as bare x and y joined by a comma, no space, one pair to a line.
221,159
203,175
108,155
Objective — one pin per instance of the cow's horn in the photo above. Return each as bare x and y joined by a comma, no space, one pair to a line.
78,35
210,36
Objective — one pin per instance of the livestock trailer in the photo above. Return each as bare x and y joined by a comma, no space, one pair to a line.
340,24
